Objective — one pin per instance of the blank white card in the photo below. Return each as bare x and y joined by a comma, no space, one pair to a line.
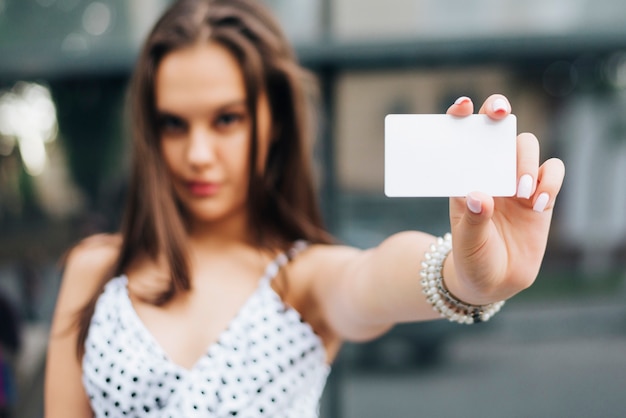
444,155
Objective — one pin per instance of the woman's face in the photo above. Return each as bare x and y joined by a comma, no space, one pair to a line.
205,130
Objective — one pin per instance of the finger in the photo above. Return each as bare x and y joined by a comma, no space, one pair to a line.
463,106
551,174
479,208
527,165
472,227
496,107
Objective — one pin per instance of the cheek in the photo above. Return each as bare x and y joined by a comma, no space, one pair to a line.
238,162
170,154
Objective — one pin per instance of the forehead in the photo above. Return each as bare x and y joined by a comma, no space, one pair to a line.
192,78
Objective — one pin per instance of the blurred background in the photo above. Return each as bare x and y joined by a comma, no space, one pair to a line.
557,350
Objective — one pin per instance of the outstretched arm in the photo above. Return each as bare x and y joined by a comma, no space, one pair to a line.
498,247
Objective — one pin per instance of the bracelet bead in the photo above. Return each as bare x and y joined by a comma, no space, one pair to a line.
442,301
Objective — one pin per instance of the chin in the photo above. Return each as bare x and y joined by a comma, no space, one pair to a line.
213,214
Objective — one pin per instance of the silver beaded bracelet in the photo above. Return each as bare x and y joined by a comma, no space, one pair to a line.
440,297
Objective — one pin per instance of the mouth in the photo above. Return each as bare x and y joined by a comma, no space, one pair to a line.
202,189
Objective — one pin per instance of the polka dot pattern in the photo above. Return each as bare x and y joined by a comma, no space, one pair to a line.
268,362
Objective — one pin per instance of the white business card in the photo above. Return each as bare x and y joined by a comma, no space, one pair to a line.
446,156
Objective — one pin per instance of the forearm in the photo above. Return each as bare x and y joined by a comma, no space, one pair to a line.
384,284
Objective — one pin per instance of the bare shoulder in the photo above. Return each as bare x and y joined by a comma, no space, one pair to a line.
321,264
84,267
97,246
329,257
95,253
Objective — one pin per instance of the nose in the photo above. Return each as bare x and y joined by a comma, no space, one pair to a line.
201,152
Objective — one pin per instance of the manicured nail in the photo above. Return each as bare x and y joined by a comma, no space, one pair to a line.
541,202
525,186
462,100
500,106
473,204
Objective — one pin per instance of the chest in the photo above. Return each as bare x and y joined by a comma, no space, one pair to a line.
193,321
264,349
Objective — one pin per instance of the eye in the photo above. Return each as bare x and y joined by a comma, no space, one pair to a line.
228,119
171,125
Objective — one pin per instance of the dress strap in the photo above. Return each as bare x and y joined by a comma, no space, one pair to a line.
284,258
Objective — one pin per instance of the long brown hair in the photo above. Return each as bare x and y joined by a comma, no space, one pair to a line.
281,205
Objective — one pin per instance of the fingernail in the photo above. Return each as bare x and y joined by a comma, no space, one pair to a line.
473,204
500,106
462,100
541,202
525,186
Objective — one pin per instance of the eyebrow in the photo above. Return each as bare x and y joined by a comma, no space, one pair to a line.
242,102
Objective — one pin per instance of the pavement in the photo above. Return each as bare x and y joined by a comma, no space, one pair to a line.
543,359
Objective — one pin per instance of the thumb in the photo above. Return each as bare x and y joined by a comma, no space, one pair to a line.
473,228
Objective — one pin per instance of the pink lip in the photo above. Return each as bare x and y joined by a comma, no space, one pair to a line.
203,189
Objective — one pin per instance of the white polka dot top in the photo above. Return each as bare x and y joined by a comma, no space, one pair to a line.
268,362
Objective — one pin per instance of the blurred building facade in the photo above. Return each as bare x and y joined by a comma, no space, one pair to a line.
64,68
552,59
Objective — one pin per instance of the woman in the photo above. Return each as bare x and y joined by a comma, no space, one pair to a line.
223,295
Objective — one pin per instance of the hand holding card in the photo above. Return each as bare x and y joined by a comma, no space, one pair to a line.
447,156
